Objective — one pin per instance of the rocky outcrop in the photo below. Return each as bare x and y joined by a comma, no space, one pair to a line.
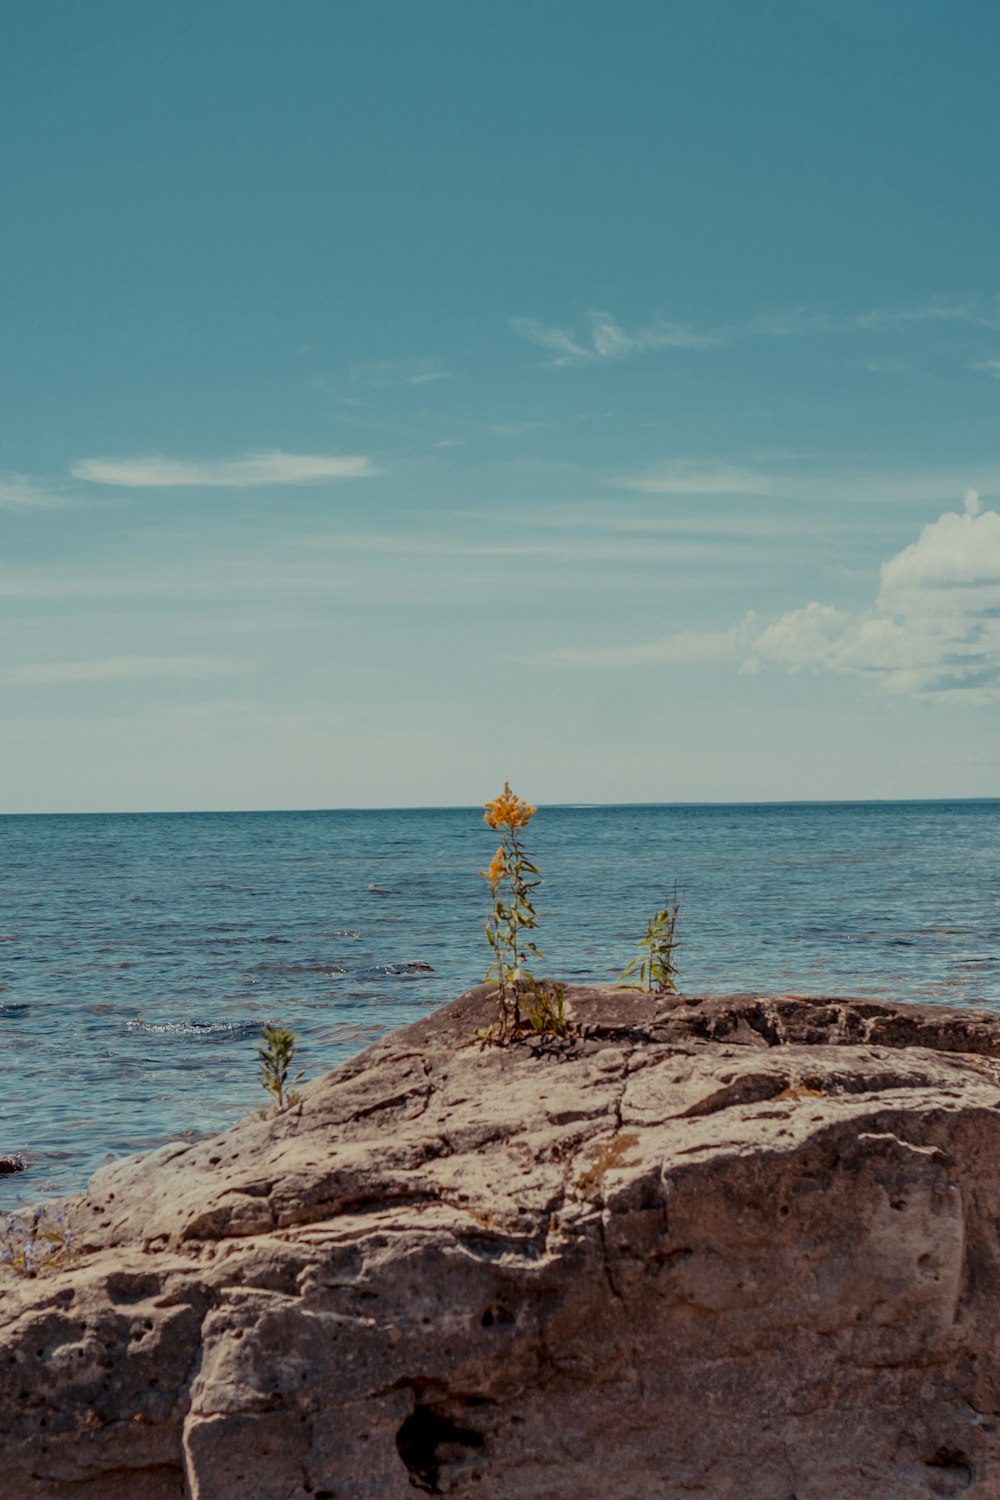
742,1248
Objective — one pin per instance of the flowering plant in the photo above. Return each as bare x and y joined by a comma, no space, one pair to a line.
512,879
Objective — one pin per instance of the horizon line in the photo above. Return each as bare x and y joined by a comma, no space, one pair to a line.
576,806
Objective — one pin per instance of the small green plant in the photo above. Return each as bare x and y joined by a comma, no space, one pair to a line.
42,1242
512,879
545,1011
543,1015
275,1055
653,968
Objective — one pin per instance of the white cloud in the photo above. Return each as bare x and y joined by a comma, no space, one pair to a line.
117,668
955,550
388,372
693,478
271,467
611,341
976,311
558,342
607,339
19,492
933,630
797,322
515,429
991,366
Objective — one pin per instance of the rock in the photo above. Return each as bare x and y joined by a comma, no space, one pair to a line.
15,1163
743,1248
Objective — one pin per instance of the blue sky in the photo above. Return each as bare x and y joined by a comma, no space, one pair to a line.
400,397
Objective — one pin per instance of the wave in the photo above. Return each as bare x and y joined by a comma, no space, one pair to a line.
238,1030
393,971
408,970
335,970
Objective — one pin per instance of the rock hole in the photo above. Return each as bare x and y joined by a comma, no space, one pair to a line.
496,1314
426,1440
954,1465
899,1204
783,1210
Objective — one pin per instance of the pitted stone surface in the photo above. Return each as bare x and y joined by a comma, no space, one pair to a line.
746,1248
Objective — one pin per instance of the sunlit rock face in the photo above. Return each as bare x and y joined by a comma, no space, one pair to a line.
744,1247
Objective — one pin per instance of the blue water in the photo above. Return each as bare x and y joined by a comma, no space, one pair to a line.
140,955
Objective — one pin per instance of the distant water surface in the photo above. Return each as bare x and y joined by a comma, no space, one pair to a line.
141,954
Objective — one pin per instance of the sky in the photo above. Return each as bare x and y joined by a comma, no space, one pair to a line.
397,398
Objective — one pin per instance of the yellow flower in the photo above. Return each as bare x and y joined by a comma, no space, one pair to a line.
497,869
508,811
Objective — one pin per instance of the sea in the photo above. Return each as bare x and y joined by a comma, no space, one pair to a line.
140,955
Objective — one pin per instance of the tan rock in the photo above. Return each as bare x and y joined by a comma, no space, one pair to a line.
742,1248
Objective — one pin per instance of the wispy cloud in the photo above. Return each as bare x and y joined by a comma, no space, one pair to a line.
118,668
557,341
218,708
401,372
271,467
886,366
567,548
797,322
780,478
685,646
611,341
606,339
689,477
515,429
978,312
991,366
20,492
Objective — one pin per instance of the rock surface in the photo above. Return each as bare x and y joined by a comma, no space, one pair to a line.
743,1248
